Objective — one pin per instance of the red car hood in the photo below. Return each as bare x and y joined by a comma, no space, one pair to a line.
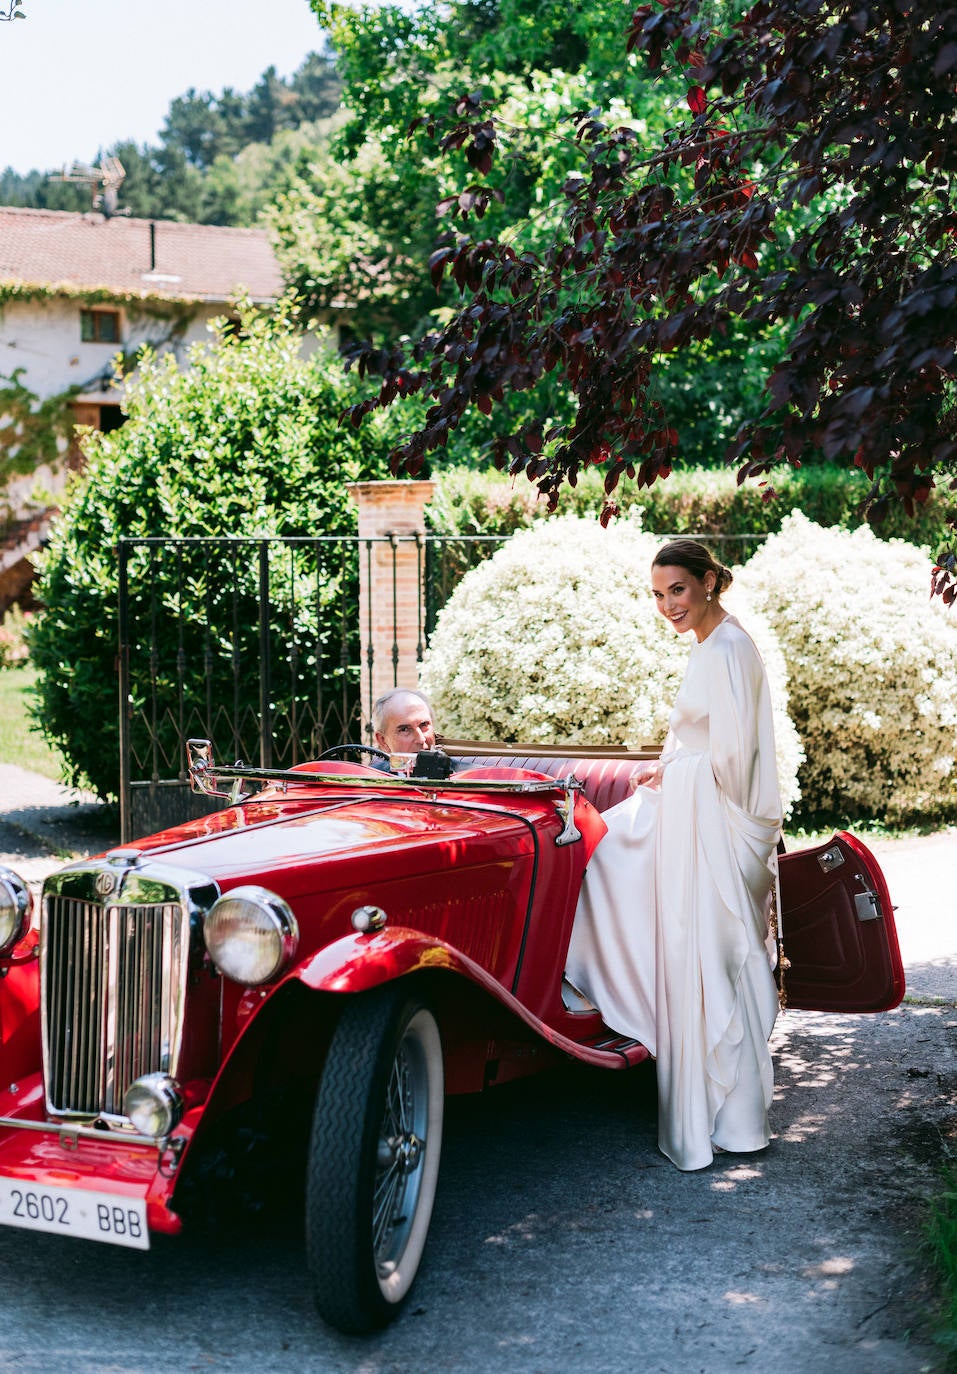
280,835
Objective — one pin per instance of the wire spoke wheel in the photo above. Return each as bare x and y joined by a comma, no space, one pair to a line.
374,1158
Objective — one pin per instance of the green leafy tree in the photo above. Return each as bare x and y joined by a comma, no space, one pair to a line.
317,90
198,125
18,188
265,108
61,195
241,190
359,220
371,198
244,442
807,186
160,183
204,126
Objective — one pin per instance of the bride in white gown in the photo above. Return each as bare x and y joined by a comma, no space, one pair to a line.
669,935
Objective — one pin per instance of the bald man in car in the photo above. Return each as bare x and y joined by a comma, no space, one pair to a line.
402,721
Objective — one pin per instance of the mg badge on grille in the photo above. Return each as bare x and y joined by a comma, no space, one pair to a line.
105,883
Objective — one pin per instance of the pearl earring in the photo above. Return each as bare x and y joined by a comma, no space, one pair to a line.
708,598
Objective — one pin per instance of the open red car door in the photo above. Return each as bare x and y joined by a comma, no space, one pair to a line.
838,929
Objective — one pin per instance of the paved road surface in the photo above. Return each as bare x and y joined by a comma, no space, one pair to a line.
562,1240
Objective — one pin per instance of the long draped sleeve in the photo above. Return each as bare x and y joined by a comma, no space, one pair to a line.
743,756
742,728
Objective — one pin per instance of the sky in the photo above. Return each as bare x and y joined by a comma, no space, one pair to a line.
79,75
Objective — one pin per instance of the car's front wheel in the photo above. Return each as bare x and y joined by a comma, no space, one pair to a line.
374,1158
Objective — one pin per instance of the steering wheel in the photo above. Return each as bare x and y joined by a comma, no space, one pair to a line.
338,750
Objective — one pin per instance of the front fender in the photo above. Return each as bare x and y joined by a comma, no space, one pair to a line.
20,1011
356,963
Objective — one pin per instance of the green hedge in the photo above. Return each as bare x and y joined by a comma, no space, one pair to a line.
706,501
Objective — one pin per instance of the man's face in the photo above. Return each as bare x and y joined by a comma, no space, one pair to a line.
407,726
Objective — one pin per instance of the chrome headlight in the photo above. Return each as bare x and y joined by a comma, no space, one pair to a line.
15,907
154,1104
251,935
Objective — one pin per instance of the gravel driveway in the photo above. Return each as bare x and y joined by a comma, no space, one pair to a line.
562,1240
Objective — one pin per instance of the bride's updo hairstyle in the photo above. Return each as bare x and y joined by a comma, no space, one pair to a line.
695,559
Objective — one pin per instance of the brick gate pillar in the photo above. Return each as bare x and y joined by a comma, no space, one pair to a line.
391,585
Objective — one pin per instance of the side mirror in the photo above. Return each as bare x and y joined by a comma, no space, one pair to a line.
199,754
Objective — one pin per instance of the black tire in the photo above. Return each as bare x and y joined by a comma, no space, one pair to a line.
374,1158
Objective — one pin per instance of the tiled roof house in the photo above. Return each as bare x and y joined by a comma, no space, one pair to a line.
135,258
75,289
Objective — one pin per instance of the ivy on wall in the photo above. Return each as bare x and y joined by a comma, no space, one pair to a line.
181,310
36,430
34,427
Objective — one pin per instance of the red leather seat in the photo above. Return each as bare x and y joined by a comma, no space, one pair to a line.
606,781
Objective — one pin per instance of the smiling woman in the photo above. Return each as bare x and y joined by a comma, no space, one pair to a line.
687,594
670,935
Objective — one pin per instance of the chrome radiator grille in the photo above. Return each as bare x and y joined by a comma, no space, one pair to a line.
111,976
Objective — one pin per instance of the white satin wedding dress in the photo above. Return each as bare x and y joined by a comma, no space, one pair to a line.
669,935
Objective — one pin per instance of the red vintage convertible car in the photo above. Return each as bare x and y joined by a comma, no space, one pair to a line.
345,938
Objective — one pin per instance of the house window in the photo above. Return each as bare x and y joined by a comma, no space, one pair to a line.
100,326
111,417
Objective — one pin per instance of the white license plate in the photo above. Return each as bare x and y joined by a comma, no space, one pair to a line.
74,1212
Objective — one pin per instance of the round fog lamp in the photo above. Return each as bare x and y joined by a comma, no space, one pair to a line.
154,1104
251,935
15,907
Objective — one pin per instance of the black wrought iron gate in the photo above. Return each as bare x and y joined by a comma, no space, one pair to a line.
253,643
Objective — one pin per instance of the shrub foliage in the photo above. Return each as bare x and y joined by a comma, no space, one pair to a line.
873,670
556,639
701,500
244,442
806,184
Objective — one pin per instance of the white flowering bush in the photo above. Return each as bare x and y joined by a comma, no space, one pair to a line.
556,640
872,665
